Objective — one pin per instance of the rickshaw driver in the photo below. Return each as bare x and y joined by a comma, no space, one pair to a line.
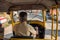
24,29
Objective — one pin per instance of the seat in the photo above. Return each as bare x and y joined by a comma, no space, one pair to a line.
15,36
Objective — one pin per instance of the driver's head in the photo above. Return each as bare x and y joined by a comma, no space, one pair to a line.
23,16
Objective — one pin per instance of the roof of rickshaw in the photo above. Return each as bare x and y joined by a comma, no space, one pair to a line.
27,4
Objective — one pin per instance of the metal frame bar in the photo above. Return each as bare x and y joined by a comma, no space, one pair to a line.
56,24
52,24
56,35
11,15
44,16
27,39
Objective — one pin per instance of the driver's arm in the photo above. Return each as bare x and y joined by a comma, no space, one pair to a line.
32,30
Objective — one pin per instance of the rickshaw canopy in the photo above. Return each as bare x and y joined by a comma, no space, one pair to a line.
27,4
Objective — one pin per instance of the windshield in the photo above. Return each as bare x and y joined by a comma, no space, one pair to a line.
31,15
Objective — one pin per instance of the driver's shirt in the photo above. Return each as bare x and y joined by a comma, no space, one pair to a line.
24,29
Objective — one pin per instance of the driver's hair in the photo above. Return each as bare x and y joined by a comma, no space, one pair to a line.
23,16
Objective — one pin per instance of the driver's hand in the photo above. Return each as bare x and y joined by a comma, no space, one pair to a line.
36,30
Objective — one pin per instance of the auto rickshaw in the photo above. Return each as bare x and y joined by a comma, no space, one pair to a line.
33,5
40,24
